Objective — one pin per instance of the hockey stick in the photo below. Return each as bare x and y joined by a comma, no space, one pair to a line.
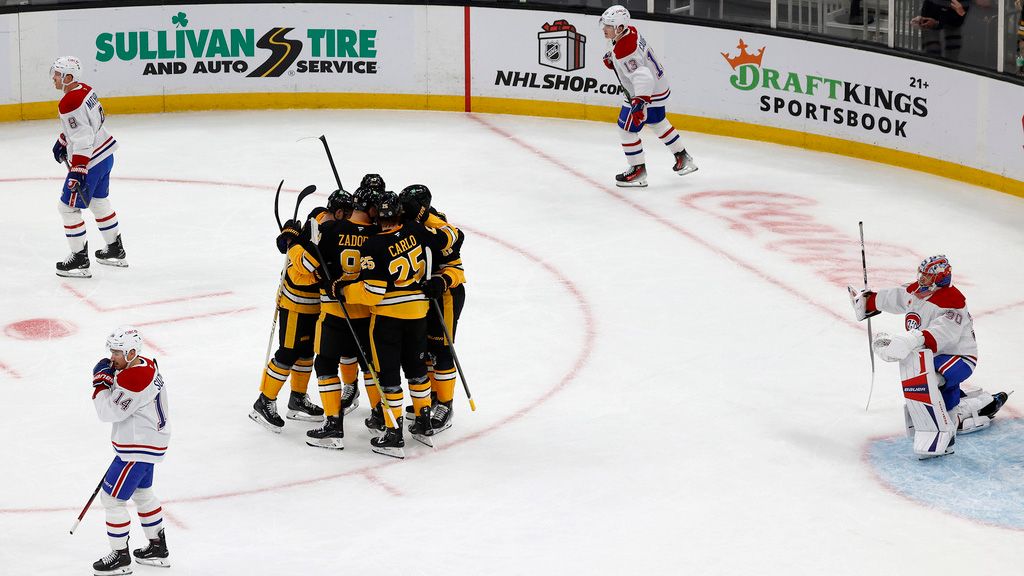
330,159
284,268
362,353
87,505
451,341
864,264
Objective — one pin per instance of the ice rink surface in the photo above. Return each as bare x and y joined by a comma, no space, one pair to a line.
668,380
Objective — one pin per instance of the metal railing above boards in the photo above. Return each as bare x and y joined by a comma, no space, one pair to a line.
983,35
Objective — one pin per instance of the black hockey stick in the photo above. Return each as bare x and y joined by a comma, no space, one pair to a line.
451,346
330,158
362,353
871,354
302,196
87,505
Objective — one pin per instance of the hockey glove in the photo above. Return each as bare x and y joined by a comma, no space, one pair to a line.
60,150
103,373
436,286
859,300
338,289
899,346
76,179
288,234
638,109
608,60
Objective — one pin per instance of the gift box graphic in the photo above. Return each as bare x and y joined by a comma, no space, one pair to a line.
561,46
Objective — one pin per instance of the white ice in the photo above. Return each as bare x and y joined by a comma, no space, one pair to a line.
668,381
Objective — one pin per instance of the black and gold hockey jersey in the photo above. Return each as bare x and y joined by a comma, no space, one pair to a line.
340,243
393,265
450,261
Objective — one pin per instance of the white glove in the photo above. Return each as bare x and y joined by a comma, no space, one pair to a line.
896,348
859,301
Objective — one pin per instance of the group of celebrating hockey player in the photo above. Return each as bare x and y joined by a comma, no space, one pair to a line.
374,284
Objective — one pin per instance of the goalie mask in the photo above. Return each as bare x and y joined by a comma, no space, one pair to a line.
934,273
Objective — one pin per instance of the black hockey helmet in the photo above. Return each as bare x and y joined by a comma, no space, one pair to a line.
364,199
339,200
373,182
388,206
415,201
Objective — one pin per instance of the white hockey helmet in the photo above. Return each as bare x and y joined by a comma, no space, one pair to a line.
125,339
67,65
615,16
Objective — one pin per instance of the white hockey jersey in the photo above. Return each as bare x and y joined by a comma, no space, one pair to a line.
81,119
638,69
136,404
941,316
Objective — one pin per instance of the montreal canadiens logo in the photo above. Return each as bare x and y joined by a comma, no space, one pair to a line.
913,321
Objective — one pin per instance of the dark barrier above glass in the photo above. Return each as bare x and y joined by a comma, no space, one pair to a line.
982,34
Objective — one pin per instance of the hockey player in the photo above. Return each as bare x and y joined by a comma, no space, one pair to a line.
394,263
128,391
935,317
643,80
447,287
298,308
88,149
339,242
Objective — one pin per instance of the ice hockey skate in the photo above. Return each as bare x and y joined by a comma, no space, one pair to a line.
420,428
390,443
635,177
684,163
117,562
441,417
349,398
376,423
113,254
76,265
155,553
301,408
972,419
264,413
330,435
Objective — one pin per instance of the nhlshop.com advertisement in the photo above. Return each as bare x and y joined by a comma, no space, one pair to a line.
541,56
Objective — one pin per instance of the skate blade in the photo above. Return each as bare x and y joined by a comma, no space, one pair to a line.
687,170
257,418
975,424
297,415
161,562
930,456
353,405
389,451
423,439
633,184
438,429
328,443
75,274
115,262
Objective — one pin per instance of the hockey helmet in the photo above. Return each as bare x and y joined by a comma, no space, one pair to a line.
373,182
615,16
67,65
125,339
933,273
415,201
364,199
388,206
339,200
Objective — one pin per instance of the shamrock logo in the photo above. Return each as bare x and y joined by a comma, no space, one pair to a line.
179,20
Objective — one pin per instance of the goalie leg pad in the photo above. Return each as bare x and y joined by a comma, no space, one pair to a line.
934,429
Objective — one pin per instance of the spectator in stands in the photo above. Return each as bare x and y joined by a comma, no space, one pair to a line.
940,22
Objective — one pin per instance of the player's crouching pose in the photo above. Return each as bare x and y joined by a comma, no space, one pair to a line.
129,392
935,317
88,149
643,79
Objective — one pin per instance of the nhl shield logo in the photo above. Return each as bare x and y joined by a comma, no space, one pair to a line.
553,51
912,321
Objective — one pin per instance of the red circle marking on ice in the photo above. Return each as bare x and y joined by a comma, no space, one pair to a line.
40,329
